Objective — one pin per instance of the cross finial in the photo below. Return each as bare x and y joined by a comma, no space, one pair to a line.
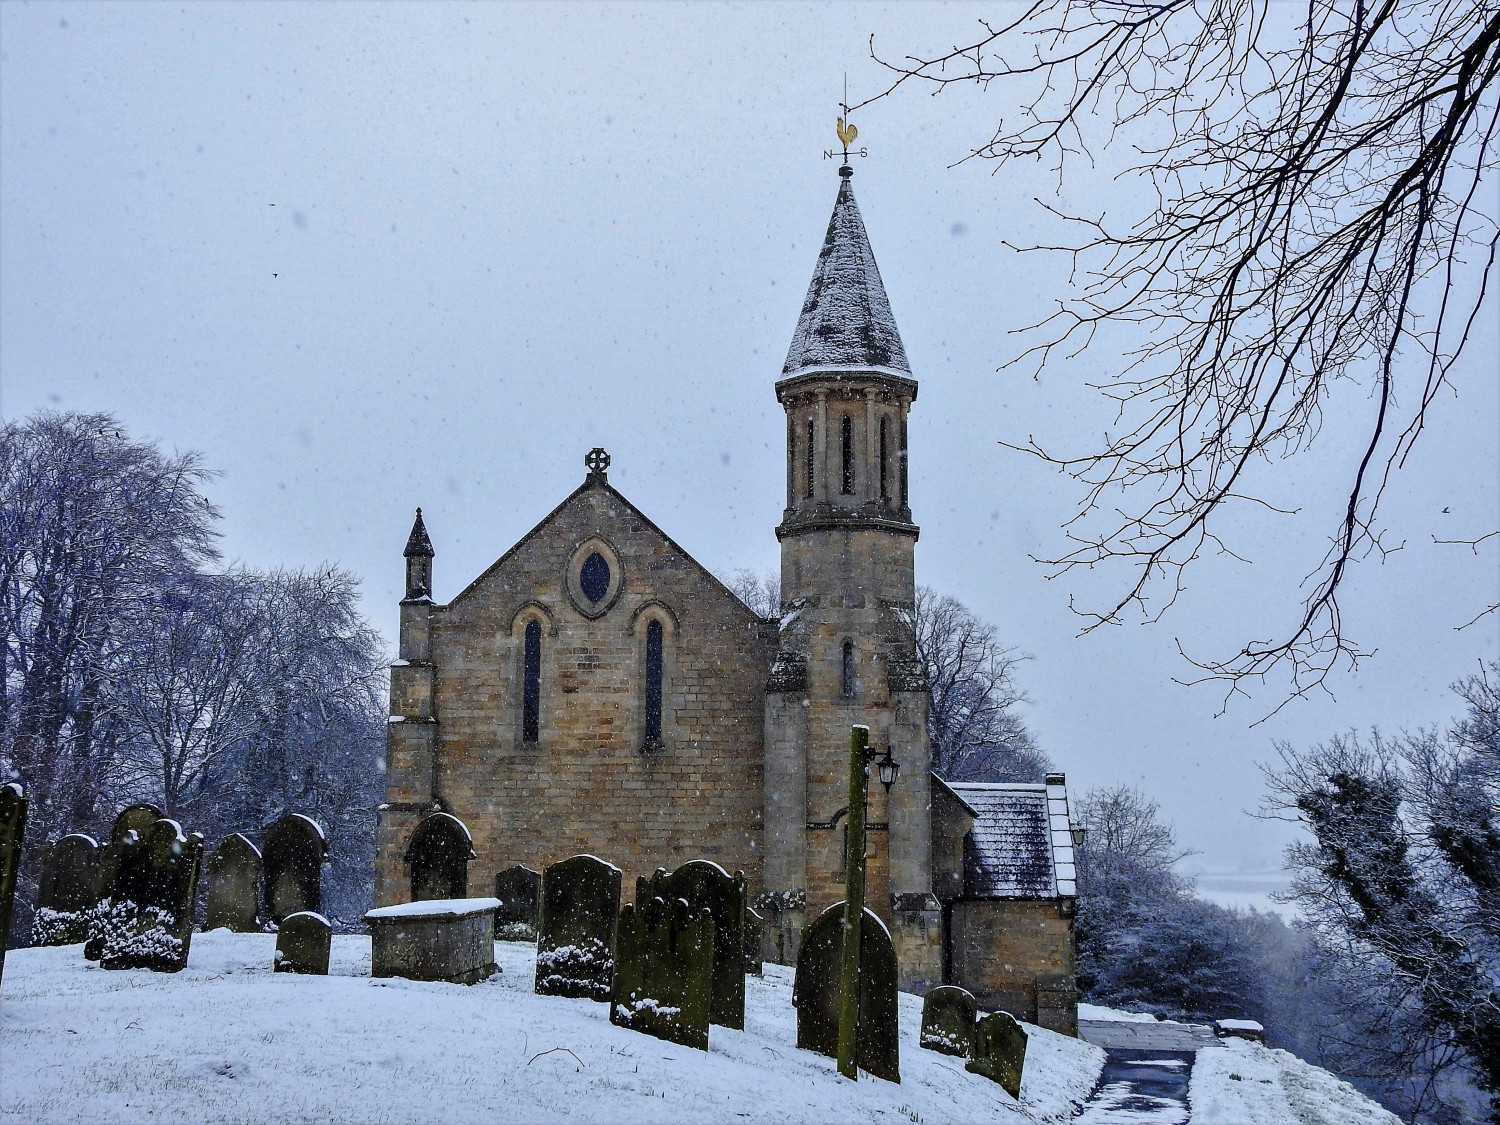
597,462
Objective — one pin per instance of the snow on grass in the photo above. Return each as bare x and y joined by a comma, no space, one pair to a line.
227,1040
1245,1083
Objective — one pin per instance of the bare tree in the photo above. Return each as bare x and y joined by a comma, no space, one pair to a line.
976,730
760,591
1316,238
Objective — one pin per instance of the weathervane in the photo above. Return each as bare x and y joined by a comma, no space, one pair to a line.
846,131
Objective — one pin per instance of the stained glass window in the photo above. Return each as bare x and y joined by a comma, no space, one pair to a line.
531,684
653,681
593,579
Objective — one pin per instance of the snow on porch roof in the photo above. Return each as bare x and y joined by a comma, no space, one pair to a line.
1021,845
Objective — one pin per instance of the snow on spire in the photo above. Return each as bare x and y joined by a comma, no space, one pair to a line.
846,320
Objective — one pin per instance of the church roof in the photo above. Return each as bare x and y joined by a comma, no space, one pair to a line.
846,320
1021,845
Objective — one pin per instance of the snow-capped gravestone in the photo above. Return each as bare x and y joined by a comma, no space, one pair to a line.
438,939
999,1051
517,888
815,992
755,936
664,966
704,885
67,889
576,917
146,922
12,835
438,856
948,1021
234,871
292,852
137,818
303,943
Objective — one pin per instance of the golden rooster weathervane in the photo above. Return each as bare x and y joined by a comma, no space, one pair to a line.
846,130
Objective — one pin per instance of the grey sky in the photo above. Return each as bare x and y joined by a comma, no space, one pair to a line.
368,257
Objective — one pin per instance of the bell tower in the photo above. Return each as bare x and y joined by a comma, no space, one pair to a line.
846,651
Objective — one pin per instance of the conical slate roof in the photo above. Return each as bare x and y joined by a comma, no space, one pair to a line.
846,320
418,545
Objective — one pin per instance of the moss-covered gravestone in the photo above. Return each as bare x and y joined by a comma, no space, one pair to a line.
438,857
948,1016
999,1051
755,936
137,818
67,891
234,872
12,836
517,888
147,920
303,943
580,903
292,851
663,978
815,992
707,886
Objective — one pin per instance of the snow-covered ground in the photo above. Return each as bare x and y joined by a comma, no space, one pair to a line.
226,1040
1244,1083
1113,1015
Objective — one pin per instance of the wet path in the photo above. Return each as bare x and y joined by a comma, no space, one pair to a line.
1140,1087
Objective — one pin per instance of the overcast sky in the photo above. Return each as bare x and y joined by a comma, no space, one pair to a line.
366,257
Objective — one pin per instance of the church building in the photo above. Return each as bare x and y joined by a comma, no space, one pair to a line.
598,690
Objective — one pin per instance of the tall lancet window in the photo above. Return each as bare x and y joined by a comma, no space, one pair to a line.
885,492
848,675
653,682
848,455
901,457
791,462
531,684
809,458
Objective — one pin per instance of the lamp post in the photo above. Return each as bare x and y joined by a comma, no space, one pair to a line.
860,757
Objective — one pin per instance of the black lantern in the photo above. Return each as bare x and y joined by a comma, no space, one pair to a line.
888,768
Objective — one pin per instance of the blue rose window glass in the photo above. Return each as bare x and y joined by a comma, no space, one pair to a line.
593,579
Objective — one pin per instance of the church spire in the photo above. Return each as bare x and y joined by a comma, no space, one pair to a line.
418,562
846,321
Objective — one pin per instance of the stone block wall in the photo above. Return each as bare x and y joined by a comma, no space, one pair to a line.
1004,951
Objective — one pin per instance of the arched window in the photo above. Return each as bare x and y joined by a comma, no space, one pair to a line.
885,492
901,457
809,458
791,462
531,684
653,681
848,676
848,455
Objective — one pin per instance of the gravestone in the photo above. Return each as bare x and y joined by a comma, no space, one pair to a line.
234,872
450,939
999,1051
147,920
67,890
664,972
707,886
292,852
815,992
755,936
12,836
438,856
108,869
576,917
517,888
948,1017
303,943
137,818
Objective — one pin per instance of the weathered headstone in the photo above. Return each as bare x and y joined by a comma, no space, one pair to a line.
450,939
147,920
948,1019
517,888
755,937
234,871
815,992
438,856
137,818
292,851
108,870
999,1051
303,943
12,836
67,890
664,972
707,886
580,903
